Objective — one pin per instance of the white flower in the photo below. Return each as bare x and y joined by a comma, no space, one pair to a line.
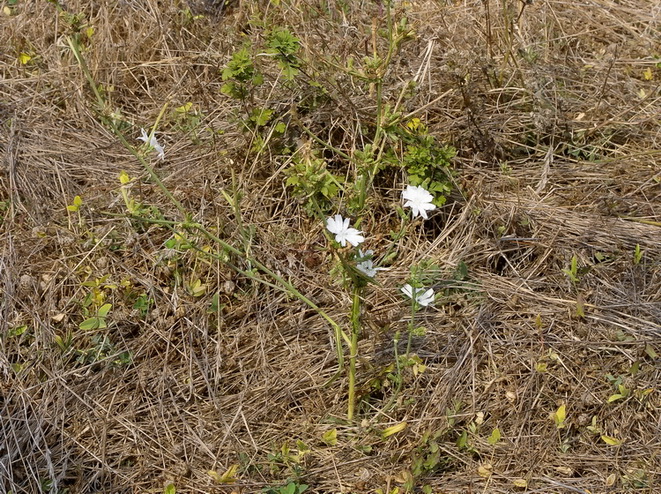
419,200
153,143
424,299
343,234
366,266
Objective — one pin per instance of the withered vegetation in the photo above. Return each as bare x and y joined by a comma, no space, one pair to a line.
554,109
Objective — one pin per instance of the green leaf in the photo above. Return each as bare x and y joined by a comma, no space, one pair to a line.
461,272
289,489
615,397
462,441
303,448
570,274
91,323
559,417
197,288
185,108
611,441
330,437
229,477
261,117
541,367
170,489
495,437
389,431
103,310
17,331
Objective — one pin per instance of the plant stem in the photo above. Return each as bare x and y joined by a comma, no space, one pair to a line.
281,283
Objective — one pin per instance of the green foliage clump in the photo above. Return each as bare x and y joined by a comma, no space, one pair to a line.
284,46
241,75
311,181
428,165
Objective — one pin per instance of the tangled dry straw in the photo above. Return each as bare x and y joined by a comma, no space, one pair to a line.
554,108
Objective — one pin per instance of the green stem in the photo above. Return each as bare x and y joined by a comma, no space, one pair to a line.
284,285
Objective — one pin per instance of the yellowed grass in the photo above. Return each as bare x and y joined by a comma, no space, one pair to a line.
554,109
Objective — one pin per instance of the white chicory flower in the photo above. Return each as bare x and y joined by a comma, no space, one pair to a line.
419,200
366,266
152,143
343,234
422,297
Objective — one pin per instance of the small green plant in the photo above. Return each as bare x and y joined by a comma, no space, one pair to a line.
572,272
559,417
288,458
10,7
394,490
95,307
637,255
594,428
143,304
329,437
624,390
196,288
187,118
284,47
74,207
241,75
311,182
494,438
427,457
102,348
637,478
227,477
98,321
429,165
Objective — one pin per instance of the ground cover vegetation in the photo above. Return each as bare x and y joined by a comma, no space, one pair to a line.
331,246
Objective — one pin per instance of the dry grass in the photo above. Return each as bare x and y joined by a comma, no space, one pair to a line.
554,110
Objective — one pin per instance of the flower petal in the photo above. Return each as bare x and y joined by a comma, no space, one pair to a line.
143,137
425,299
354,236
407,290
334,224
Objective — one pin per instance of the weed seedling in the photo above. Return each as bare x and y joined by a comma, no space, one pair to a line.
74,207
572,272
